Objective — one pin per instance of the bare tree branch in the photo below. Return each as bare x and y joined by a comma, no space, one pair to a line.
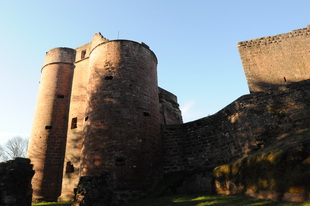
15,147
1,152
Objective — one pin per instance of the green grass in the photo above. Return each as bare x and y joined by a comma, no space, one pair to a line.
199,200
52,203
212,200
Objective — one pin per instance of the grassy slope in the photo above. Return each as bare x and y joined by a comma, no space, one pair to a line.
213,200
203,200
52,203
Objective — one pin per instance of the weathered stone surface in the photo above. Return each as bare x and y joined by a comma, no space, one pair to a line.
170,112
15,182
103,97
248,124
49,130
276,60
95,191
279,171
260,123
122,130
197,182
115,116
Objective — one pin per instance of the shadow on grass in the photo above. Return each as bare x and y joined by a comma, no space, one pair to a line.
212,200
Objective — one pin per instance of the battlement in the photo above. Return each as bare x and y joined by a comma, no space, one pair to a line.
276,39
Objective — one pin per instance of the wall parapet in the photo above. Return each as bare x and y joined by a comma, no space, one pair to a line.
264,41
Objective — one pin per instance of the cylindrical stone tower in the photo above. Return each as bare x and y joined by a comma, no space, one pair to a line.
48,138
122,122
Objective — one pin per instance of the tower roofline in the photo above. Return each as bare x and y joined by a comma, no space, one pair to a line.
125,40
59,55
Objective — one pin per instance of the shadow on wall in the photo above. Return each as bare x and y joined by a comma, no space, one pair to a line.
275,120
15,181
246,125
71,173
278,172
122,123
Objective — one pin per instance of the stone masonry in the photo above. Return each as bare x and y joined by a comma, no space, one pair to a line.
241,128
276,60
100,111
15,182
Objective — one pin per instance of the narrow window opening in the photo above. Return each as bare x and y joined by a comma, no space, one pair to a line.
284,79
69,167
86,118
48,127
146,114
108,77
83,54
74,123
60,96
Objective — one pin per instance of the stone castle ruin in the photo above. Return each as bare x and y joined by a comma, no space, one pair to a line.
100,110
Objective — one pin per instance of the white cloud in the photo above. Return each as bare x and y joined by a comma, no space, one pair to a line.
186,107
189,111
192,110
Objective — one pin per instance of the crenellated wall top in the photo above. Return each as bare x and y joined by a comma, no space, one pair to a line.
264,41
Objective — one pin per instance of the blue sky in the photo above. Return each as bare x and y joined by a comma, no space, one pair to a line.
194,41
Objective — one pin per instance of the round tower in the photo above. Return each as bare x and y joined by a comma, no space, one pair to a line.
122,122
48,138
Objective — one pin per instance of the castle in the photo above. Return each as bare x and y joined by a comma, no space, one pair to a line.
97,110
100,109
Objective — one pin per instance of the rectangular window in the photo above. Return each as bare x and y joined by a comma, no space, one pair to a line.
69,167
83,54
74,123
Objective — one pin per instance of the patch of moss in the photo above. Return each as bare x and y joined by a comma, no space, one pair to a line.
282,167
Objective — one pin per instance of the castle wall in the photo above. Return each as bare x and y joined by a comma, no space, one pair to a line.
246,125
170,112
48,138
276,60
122,123
75,123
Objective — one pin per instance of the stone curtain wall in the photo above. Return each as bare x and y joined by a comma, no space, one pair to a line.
276,60
15,179
246,125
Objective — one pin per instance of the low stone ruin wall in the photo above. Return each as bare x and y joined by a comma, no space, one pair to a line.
15,182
